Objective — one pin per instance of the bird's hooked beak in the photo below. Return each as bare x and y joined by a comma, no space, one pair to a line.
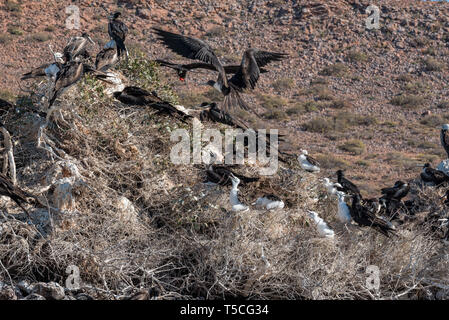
182,79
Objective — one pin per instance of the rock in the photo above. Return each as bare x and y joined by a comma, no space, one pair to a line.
83,296
25,287
34,296
444,166
62,169
143,13
62,180
126,211
7,292
51,290
62,196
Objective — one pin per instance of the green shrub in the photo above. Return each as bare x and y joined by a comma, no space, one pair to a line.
319,81
4,38
41,36
409,101
321,92
330,161
356,56
144,73
340,104
15,30
283,84
405,77
356,147
50,28
432,121
336,70
302,107
432,64
272,102
275,114
319,125
12,6
217,31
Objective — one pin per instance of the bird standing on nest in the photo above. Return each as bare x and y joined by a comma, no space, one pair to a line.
308,163
221,174
343,212
77,47
322,227
365,218
433,176
118,30
269,202
331,188
347,186
236,205
107,57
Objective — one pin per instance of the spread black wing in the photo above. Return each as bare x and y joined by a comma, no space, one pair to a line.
191,48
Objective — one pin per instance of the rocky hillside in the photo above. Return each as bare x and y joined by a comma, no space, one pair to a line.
111,203
369,101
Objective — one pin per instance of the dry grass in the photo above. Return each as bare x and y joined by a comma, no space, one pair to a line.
336,70
356,147
409,101
183,240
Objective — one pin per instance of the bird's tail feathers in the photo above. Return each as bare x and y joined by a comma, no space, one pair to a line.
233,100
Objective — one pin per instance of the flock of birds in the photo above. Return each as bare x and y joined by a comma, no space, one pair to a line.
70,66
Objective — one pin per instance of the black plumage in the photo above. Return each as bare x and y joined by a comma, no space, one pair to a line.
5,107
245,78
444,138
41,71
215,114
397,192
347,186
182,69
365,218
106,58
70,74
77,47
434,176
373,205
392,208
132,95
221,174
118,30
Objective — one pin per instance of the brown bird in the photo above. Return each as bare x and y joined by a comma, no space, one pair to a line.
365,218
70,74
137,96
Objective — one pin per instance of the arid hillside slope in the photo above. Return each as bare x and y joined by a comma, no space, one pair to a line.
369,101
